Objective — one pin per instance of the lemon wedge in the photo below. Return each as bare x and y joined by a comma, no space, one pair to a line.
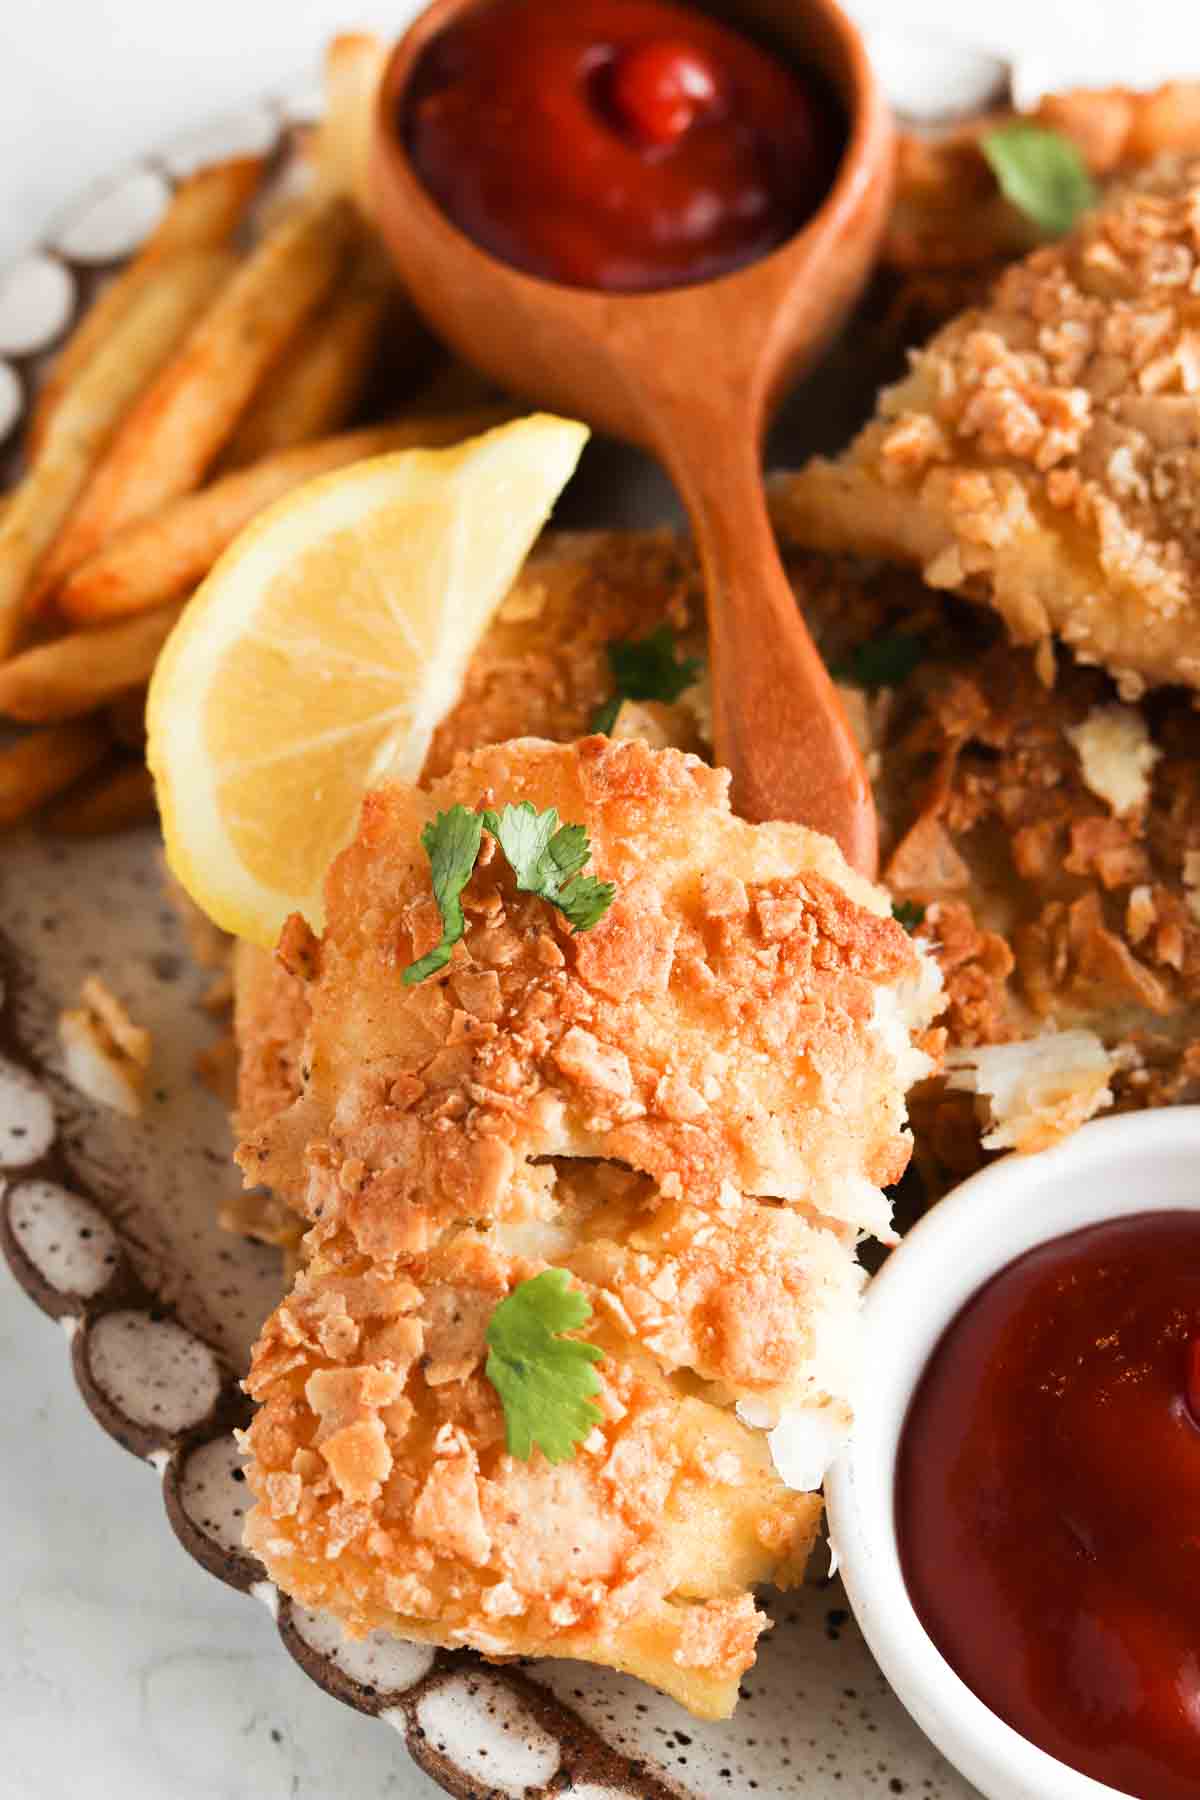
322,650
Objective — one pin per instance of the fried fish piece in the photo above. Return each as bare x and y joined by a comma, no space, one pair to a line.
542,668
948,215
705,903
1043,454
1027,873
1046,844
692,1108
951,231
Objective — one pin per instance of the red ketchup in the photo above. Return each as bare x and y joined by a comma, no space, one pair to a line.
1048,1500
617,144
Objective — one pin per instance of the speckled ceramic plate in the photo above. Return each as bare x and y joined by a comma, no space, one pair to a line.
110,1224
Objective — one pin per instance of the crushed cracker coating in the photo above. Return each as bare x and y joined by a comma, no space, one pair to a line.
767,1017
1047,908
985,812
542,666
691,1108
1043,453
105,1055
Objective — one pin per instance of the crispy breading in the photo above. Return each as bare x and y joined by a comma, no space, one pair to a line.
105,1055
270,1019
724,1011
971,739
542,667
385,1494
948,215
1049,907
692,1107
1043,453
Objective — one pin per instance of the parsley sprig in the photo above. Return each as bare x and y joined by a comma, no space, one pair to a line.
1041,172
546,858
451,842
544,1379
909,913
882,662
648,668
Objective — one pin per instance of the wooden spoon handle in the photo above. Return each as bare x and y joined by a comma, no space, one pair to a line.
778,722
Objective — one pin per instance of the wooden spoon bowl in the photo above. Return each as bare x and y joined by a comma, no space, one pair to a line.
692,374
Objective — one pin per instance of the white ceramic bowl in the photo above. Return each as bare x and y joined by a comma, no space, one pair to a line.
1141,1162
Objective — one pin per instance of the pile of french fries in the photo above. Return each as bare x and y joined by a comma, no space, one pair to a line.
202,385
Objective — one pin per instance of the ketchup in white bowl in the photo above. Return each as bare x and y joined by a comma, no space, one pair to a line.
1017,1512
1048,1500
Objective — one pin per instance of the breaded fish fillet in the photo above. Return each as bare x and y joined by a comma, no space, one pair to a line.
949,217
1028,873
692,1108
1052,837
1043,455
542,668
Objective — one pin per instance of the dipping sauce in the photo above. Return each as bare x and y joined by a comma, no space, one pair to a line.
1048,1500
617,144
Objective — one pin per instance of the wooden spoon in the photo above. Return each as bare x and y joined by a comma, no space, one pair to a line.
692,374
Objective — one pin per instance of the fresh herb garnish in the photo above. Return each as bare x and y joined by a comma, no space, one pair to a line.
545,857
908,913
544,1380
1041,172
647,668
885,662
451,843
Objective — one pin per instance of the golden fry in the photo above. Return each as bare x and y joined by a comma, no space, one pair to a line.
74,675
166,555
185,417
91,411
41,765
354,65
115,800
317,389
202,215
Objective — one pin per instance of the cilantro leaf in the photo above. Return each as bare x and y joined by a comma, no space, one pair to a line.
885,662
1041,172
908,913
546,858
451,843
544,1380
646,669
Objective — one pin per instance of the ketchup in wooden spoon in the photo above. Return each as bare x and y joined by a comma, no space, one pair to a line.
618,144
639,215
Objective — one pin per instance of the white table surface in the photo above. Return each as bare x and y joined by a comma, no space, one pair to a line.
126,1673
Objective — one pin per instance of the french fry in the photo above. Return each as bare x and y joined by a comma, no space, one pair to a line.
185,417
41,765
90,413
203,214
354,65
73,675
117,799
168,554
316,389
